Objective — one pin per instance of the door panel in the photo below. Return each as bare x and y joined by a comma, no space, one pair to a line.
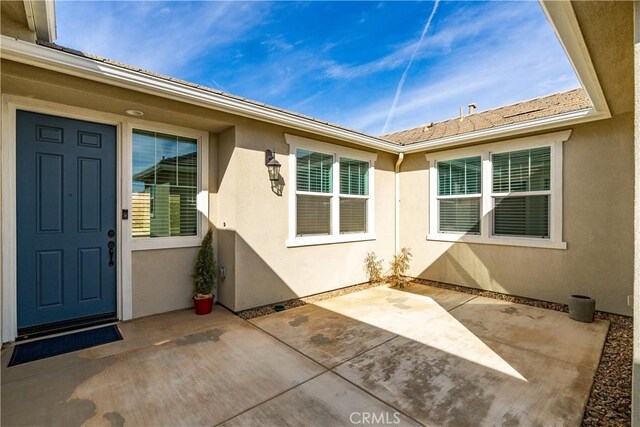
49,199
66,205
89,267
50,278
90,194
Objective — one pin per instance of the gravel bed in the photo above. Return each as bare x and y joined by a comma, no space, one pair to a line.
609,402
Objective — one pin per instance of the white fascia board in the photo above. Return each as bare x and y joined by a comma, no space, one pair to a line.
67,63
564,22
545,123
28,10
43,15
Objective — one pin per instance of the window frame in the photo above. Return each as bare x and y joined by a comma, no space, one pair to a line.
297,142
459,197
202,199
485,151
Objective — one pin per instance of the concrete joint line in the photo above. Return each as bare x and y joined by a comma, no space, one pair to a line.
460,305
272,397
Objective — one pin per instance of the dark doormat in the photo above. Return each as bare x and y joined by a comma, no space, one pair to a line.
41,349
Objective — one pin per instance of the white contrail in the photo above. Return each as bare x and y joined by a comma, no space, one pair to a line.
392,110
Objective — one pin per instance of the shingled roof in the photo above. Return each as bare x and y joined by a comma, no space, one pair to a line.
546,106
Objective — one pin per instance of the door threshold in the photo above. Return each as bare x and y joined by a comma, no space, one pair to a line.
59,334
63,328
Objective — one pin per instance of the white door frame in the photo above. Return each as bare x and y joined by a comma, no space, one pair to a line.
10,105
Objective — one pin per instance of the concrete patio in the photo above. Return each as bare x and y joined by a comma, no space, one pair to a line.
418,355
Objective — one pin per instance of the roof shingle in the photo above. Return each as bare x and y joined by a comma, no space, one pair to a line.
546,106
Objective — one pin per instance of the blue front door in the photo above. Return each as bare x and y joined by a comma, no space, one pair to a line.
66,220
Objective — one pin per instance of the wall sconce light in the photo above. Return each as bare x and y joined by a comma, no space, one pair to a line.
272,165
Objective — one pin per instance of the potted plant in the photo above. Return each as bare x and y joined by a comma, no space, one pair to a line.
204,276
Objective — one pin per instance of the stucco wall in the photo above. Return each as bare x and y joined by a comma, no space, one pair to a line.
225,215
161,280
597,226
635,403
13,21
250,221
266,271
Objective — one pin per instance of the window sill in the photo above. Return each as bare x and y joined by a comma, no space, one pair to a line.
142,244
500,241
328,240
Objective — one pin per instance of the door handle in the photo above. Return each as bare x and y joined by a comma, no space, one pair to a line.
111,247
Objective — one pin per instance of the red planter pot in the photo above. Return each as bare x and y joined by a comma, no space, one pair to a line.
203,305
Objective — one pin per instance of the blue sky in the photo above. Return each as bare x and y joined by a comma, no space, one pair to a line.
336,61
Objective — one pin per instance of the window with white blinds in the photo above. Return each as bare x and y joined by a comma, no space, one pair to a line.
314,184
354,195
459,195
521,188
333,200
164,185
503,193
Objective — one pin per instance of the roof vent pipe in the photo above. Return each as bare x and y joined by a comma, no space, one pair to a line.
461,114
472,107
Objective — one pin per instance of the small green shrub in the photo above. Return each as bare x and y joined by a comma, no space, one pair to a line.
399,266
373,267
204,272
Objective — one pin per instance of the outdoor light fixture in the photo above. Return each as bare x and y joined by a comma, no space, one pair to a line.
272,165
136,113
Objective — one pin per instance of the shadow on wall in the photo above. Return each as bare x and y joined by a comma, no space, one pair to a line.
587,267
277,187
597,225
267,286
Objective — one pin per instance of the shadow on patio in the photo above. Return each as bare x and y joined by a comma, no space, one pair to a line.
418,354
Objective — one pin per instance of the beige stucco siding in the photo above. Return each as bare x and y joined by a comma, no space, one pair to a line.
597,224
635,403
266,270
250,221
223,203
13,21
161,280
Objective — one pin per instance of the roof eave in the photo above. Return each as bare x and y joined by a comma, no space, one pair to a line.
544,123
67,63
564,22
41,18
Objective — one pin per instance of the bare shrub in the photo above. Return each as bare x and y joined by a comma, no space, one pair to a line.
373,267
399,266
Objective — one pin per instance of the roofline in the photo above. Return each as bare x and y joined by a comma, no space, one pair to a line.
564,22
41,18
560,15
91,69
514,129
